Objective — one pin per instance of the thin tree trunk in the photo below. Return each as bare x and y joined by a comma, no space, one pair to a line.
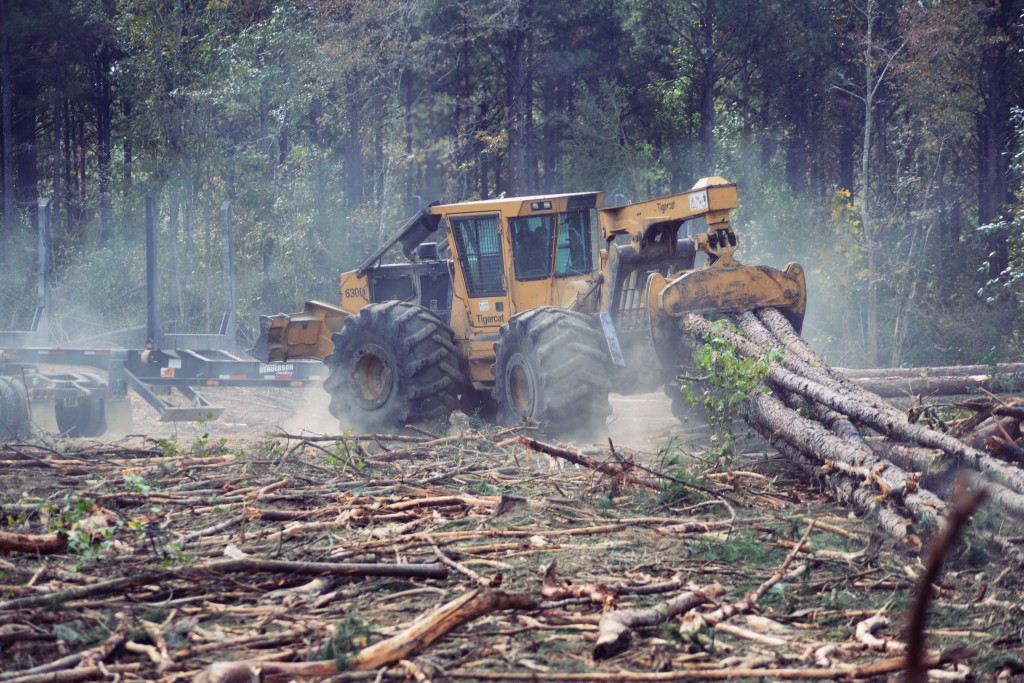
865,188
126,147
8,132
995,131
354,150
172,228
104,98
517,57
57,108
707,89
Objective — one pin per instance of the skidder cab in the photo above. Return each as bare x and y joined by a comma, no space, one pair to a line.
518,305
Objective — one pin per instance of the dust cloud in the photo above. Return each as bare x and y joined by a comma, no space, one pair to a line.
644,421
311,415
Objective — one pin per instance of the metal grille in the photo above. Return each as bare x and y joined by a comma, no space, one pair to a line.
478,242
633,312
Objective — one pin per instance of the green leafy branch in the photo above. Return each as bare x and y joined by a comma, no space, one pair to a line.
725,378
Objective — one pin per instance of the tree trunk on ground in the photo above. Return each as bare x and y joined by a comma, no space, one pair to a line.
616,625
908,387
853,459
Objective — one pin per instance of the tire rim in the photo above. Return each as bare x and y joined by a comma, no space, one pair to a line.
521,386
373,377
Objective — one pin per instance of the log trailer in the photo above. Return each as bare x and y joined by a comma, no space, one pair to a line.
537,307
73,400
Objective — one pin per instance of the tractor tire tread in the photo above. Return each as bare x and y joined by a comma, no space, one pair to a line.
427,377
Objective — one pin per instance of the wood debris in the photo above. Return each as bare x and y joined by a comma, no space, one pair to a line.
327,557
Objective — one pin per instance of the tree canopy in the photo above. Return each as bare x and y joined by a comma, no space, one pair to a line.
878,142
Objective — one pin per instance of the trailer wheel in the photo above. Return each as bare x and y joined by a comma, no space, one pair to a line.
14,422
86,418
393,364
552,365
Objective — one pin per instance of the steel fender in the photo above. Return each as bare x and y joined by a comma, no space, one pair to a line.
728,289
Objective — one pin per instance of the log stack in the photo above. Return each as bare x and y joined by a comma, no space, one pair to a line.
894,465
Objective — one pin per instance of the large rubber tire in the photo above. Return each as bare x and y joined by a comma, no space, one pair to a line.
552,366
14,422
393,364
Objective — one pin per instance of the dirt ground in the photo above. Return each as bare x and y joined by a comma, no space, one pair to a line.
196,546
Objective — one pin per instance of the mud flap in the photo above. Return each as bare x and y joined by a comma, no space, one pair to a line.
610,336
43,415
118,413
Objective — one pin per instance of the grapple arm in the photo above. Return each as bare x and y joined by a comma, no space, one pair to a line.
728,289
305,335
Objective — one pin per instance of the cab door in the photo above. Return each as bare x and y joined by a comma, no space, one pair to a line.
532,239
480,284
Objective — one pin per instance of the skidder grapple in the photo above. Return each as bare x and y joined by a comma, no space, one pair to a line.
537,307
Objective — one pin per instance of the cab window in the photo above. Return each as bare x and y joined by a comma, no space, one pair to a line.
575,255
532,238
478,242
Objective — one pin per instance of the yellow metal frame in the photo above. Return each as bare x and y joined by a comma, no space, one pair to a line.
724,284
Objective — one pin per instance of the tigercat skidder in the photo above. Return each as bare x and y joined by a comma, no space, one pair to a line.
516,304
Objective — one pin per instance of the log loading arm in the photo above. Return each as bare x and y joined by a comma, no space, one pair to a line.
650,278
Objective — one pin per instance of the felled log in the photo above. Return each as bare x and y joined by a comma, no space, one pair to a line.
850,490
408,643
1008,427
883,418
44,544
613,631
773,419
938,385
255,565
1002,369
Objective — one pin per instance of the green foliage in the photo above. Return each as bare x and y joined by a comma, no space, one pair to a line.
726,378
346,453
321,121
137,483
89,535
347,637
601,153
482,488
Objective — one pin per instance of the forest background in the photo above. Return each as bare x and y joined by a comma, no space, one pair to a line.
877,142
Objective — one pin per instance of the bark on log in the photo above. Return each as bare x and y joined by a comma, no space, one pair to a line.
850,491
32,543
883,419
939,385
770,414
994,426
804,360
934,371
